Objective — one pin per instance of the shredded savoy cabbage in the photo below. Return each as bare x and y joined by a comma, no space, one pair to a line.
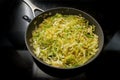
65,41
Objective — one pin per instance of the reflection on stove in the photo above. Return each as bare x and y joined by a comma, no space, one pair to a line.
39,74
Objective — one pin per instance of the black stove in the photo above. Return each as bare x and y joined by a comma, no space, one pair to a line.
19,62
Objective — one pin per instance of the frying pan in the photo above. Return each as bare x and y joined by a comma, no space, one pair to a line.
53,71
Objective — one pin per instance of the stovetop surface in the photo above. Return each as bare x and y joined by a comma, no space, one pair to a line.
19,62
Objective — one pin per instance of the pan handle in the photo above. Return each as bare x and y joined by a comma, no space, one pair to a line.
32,6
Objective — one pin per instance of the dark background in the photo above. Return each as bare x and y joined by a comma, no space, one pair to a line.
12,30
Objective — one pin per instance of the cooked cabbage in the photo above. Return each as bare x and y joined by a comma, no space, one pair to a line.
65,41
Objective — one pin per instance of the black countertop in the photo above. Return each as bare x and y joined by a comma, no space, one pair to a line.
18,62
